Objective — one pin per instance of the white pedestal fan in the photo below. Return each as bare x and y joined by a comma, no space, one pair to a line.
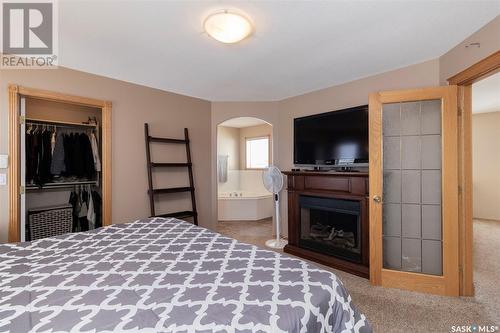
273,182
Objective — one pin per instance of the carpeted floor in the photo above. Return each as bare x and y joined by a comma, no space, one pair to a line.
392,310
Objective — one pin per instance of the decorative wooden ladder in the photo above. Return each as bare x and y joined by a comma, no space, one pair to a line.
153,165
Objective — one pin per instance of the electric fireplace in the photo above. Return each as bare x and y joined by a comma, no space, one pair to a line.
331,226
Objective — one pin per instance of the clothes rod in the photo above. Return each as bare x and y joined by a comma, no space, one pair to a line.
60,185
57,123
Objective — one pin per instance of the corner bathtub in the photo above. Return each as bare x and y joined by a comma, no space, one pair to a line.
244,206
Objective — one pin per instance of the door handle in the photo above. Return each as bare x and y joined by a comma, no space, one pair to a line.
377,198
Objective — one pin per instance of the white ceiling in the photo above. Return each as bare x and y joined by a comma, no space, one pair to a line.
297,47
241,122
486,95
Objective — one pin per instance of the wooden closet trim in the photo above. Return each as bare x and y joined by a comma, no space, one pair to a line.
464,80
14,168
15,93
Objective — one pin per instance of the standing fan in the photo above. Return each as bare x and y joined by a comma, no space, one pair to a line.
273,182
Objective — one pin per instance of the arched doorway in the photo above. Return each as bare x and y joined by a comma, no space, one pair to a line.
244,151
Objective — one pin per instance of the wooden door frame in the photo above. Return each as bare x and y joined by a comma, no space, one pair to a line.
15,94
464,80
448,283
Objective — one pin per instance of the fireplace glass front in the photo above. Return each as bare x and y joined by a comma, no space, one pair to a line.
331,226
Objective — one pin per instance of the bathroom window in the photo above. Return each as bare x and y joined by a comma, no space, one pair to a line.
257,152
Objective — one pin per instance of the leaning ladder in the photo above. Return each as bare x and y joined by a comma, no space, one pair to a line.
153,165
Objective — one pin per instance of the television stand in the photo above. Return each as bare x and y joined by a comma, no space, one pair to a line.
319,169
348,169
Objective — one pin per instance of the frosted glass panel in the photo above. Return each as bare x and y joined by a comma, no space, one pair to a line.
432,257
392,255
411,221
431,222
410,152
410,187
411,218
431,152
392,219
392,186
410,118
411,252
431,186
392,153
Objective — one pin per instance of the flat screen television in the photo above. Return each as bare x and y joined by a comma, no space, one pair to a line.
337,138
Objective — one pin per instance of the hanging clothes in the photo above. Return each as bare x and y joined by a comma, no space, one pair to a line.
58,166
87,154
55,154
86,205
97,204
95,151
38,156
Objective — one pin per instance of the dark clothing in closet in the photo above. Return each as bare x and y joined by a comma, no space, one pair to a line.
78,157
80,202
45,158
38,157
58,166
96,197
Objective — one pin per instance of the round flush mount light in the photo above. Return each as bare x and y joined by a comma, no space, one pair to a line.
227,27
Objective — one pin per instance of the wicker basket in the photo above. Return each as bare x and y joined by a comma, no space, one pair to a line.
50,221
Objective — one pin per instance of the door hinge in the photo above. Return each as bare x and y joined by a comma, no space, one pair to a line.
22,190
22,120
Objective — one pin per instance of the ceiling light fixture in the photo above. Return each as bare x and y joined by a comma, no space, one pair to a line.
227,27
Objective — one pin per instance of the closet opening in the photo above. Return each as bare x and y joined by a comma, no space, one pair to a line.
60,171
61,153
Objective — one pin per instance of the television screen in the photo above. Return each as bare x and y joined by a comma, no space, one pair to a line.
337,137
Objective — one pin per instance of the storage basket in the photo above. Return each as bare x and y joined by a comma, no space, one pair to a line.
50,221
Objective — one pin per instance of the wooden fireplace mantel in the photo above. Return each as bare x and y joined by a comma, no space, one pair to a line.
339,185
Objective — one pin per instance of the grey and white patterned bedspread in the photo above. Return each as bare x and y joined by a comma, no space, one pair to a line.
165,275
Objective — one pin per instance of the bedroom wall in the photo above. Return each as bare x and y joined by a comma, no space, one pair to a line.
280,114
461,57
167,113
485,165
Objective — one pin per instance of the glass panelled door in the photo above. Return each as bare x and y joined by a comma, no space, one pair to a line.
413,185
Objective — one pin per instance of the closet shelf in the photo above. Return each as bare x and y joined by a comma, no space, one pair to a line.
59,123
61,185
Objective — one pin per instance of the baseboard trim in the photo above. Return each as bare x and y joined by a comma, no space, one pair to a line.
485,220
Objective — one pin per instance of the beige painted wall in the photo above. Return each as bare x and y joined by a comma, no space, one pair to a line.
486,165
252,132
228,143
49,110
280,114
133,105
461,57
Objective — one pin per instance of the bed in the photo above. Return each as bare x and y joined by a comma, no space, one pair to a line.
166,275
